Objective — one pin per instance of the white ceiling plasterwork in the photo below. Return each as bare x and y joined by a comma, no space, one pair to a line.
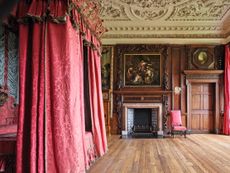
193,21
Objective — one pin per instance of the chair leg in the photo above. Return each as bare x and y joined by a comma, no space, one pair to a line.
185,133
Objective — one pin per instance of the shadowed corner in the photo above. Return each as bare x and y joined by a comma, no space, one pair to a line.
6,6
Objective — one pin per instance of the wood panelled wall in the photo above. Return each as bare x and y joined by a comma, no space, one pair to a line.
178,59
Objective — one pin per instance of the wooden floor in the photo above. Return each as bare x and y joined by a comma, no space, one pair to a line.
197,153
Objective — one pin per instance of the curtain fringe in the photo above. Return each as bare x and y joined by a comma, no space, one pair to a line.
71,8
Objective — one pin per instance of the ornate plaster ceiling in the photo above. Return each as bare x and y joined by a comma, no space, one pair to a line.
166,21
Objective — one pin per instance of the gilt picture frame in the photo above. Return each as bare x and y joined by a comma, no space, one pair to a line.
142,70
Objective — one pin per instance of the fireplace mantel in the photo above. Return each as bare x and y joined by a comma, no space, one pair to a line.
125,115
145,91
137,97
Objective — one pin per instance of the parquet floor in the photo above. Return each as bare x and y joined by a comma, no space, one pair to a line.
197,153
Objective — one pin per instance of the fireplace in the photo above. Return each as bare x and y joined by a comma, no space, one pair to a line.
145,120
142,118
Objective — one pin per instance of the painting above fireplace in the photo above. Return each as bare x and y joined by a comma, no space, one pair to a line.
142,70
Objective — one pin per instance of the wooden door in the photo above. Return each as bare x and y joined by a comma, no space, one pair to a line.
202,108
106,104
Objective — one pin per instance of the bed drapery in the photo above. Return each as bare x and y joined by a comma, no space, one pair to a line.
51,128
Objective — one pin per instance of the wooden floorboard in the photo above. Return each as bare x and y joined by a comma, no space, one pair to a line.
197,153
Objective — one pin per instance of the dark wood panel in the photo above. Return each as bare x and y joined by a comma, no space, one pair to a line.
184,60
196,89
114,124
142,98
107,117
176,56
196,102
208,102
202,123
202,108
195,122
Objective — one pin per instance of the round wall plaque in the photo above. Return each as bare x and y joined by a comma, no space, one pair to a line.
202,59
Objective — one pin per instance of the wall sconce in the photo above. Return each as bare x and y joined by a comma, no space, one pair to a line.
177,90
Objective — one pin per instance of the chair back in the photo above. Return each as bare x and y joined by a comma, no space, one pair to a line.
176,117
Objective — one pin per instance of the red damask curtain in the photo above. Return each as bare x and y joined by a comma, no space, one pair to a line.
65,99
31,135
97,111
51,129
227,91
51,119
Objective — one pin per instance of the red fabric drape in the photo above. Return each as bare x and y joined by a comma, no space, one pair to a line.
97,111
65,100
30,139
51,120
51,132
227,92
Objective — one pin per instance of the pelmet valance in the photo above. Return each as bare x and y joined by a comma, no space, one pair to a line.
84,16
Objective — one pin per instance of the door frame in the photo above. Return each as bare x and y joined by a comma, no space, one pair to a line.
189,83
205,76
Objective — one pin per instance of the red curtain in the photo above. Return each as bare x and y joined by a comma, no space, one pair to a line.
65,99
51,129
97,111
51,119
227,92
30,139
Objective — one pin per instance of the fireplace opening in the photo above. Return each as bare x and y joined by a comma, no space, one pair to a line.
145,120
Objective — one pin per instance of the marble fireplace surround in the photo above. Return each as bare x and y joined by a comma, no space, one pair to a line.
125,115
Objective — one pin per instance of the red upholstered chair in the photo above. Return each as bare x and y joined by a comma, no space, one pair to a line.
177,123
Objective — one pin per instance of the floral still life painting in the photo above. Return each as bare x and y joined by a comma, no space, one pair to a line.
142,70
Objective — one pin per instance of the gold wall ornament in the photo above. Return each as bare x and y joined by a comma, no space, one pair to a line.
202,58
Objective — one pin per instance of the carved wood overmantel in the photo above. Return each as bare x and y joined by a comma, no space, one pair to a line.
140,94
139,49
